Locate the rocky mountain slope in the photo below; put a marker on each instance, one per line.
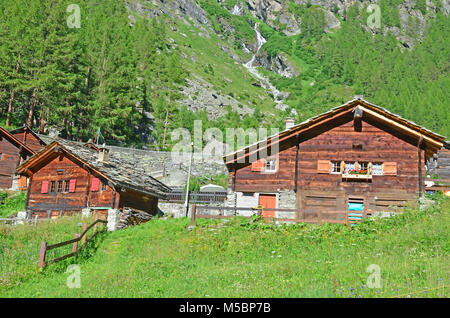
(219, 38)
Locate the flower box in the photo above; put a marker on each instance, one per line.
(357, 176)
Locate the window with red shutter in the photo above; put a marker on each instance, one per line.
(73, 183)
(44, 188)
(95, 184)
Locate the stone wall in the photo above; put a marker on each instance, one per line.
(286, 200)
(171, 168)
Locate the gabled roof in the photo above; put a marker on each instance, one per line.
(15, 141)
(433, 140)
(120, 173)
(29, 130)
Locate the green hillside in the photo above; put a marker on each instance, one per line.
(125, 68)
(240, 258)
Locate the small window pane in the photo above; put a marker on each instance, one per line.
(60, 186)
(271, 165)
(377, 169)
(66, 185)
(336, 166)
(349, 166)
(52, 186)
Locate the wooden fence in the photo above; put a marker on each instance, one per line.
(75, 248)
(338, 217)
(197, 197)
(34, 220)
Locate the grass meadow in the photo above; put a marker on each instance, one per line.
(238, 258)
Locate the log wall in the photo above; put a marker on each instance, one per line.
(64, 169)
(371, 142)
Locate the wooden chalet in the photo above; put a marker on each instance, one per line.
(14, 150)
(355, 157)
(67, 177)
(29, 138)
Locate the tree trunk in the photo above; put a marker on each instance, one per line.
(32, 108)
(10, 107)
(13, 95)
(42, 122)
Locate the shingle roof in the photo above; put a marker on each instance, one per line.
(357, 100)
(121, 173)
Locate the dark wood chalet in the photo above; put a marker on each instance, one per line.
(357, 156)
(29, 138)
(13, 151)
(66, 177)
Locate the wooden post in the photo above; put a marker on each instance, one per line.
(320, 217)
(42, 255)
(96, 218)
(36, 220)
(75, 244)
(193, 212)
(419, 166)
(83, 238)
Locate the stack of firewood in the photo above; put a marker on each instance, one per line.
(131, 217)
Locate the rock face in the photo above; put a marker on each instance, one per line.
(278, 64)
(174, 8)
(200, 95)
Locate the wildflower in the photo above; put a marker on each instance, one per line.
(350, 289)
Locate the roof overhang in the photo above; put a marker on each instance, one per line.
(431, 141)
(16, 141)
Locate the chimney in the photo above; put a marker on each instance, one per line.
(289, 123)
(103, 154)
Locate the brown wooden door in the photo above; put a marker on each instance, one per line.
(268, 201)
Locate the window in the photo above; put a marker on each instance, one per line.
(66, 185)
(60, 186)
(52, 186)
(103, 186)
(336, 167)
(377, 169)
(1, 156)
(349, 166)
(271, 165)
(364, 166)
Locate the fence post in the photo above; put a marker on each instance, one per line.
(193, 212)
(83, 238)
(96, 218)
(75, 244)
(36, 220)
(42, 254)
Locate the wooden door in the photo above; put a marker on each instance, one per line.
(268, 201)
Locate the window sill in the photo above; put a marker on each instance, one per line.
(357, 176)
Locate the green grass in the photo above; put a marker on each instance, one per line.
(11, 203)
(239, 258)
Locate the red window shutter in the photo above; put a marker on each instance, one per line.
(258, 165)
(44, 188)
(95, 184)
(73, 183)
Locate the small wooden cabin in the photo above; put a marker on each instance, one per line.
(66, 177)
(357, 156)
(29, 138)
(13, 151)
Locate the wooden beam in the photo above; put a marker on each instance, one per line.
(419, 165)
(403, 127)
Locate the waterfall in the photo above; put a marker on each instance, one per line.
(236, 10)
(249, 65)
